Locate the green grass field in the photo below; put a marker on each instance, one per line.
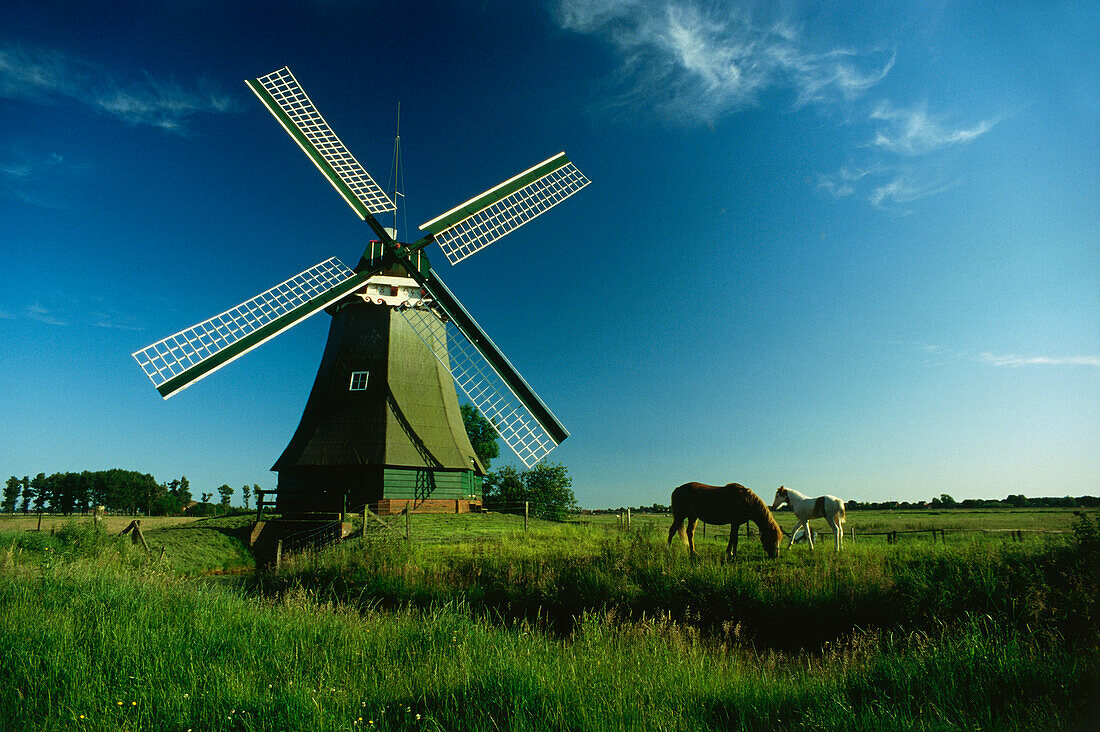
(481, 626)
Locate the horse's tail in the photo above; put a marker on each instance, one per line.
(840, 514)
(679, 515)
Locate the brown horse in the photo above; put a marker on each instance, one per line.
(732, 504)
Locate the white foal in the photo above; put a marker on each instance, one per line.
(805, 508)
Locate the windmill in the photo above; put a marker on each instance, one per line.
(381, 426)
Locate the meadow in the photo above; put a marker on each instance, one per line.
(566, 626)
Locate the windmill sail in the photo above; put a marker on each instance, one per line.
(487, 377)
(180, 360)
(287, 101)
(474, 225)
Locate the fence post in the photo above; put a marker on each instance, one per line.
(526, 511)
(278, 554)
(408, 523)
(628, 518)
(365, 509)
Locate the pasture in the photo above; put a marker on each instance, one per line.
(478, 625)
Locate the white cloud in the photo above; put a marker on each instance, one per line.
(905, 186)
(1013, 360)
(699, 61)
(48, 76)
(44, 315)
(916, 131)
(65, 310)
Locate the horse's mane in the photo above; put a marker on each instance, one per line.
(758, 510)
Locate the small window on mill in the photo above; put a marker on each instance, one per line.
(358, 380)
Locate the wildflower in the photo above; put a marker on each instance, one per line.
(133, 704)
(82, 716)
(186, 696)
(120, 704)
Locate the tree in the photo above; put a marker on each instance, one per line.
(246, 492)
(185, 490)
(11, 493)
(27, 495)
(226, 493)
(483, 437)
(38, 486)
(206, 497)
(546, 487)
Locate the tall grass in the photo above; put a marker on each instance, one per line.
(141, 651)
(801, 601)
(397, 636)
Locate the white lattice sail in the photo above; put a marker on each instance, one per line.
(287, 101)
(479, 222)
(180, 360)
(485, 388)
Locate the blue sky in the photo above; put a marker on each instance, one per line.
(851, 248)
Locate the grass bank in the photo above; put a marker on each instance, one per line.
(82, 648)
(802, 601)
(386, 635)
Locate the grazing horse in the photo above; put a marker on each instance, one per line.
(805, 508)
(732, 504)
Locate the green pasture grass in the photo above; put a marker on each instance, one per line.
(196, 547)
(978, 635)
(806, 598)
(960, 521)
(81, 648)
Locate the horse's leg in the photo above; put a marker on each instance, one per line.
(677, 522)
(839, 532)
(731, 548)
(691, 535)
(809, 534)
(835, 527)
(791, 542)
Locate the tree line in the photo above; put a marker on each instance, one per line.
(125, 491)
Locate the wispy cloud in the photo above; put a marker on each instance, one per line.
(902, 160)
(65, 310)
(49, 76)
(27, 176)
(694, 61)
(697, 61)
(1012, 360)
(44, 315)
(916, 131)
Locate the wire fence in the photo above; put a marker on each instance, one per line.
(500, 520)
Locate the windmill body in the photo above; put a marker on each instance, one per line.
(382, 426)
